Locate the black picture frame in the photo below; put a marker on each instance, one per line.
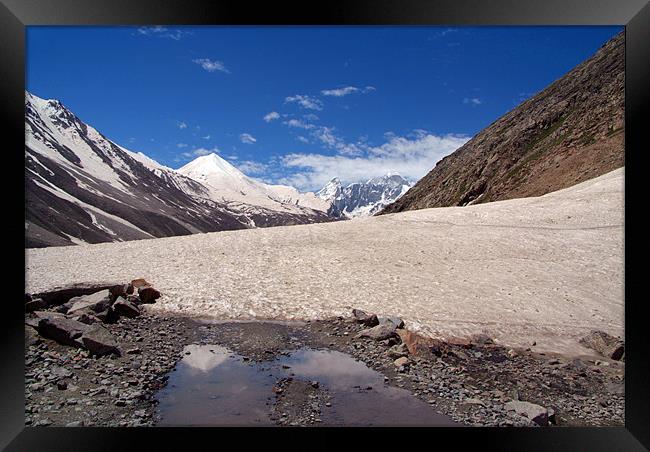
(15, 15)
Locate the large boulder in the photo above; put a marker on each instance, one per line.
(93, 303)
(605, 344)
(126, 308)
(140, 282)
(63, 330)
(398, 322)
(38, 315)
(365, 318)
(36, 304)
(62, 294)
(148, 294)
(380, 332)
(109, 315)
(536, 413)
(88, 319)
(121, 290)
(418, 345)
(99, 341)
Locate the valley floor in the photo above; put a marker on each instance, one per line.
(545, 270)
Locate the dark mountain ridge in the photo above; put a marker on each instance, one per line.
(570, 132)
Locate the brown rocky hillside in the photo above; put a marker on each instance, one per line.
(570, 132)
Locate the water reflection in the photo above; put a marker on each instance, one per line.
(204, 358)
(334, 369)
(212, 386)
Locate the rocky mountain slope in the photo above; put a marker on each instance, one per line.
(83, 188)
(364, 198)
(570, 132)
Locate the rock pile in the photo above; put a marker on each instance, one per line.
(74, 315)
(470, 376)
(605, 344)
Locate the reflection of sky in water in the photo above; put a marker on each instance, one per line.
(203, 357)
(332, 368)
(213, 387)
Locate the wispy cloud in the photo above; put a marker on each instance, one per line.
(250, 167)
(207, 137)
(412, 158)
(211, 65)
(181, 125)
(302, 139)
(163, 32)
(297, 123)
(181, 145)
(308, 102)
(200, 151)
(474, 101)
(340, 92)
(344, 91)
(247, 138)
(271, 116)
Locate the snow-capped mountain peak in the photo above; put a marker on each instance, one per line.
(363, 198)
(331, 190)
(211, 164)
(225, 180)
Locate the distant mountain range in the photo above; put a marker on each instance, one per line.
(83, 188)
(570, 132)
(362, 199)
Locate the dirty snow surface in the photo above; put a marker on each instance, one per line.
(545, 269)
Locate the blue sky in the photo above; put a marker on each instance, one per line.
(300, 105)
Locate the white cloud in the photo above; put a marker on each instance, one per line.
(474, 101)
(182, 125)
(207, 137)
(297, 123)
(271, 116)
(412, 158)
(340, 92)
(249, 167)
(163, 32)
(308, 102)
(327, 136)
(247, 138)
(200, 151)
(302, 139)
(211, 65)
(310, 117)
(181, 145)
